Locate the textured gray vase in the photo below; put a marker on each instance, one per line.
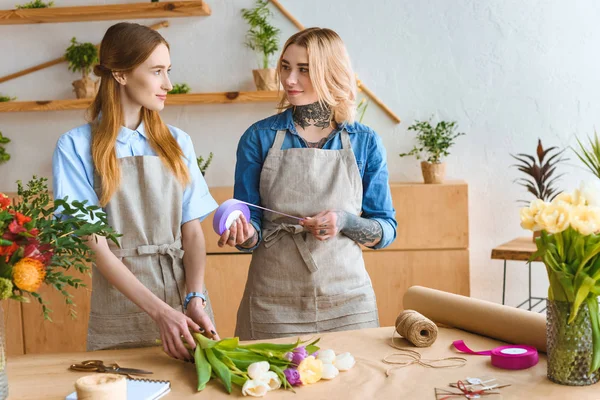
(570, 346)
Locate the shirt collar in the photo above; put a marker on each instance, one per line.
(125, 134)
(285, 121)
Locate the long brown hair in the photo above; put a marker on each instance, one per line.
(124, 47)
(330, 71)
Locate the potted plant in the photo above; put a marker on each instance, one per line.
(203, 165)
(433, 145)
(263, 38)
(179, 88)
(4, 156)
(6, 98)
(82, 57)
(35, 4)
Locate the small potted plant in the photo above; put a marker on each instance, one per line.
(263, 38)
(35, 4)
(433, 145)
(4, 99)
(82, 57)
(203, 165)
(179, 88)
(4, 156)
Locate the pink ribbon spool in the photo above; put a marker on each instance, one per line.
(506, 357)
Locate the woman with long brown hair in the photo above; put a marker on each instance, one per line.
(145, 176)
(314, 161)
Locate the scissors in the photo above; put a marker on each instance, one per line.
(99, 366)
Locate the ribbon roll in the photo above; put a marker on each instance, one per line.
(228, 212)
(506, 357)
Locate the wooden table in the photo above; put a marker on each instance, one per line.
(519, 249)
(47, 377)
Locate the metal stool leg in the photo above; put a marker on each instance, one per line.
(504, 283)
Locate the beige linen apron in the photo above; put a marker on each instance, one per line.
(296, 283)
(147, 210)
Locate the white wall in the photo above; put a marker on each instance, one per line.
(508, 71)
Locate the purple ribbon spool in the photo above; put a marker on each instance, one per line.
(228, 212)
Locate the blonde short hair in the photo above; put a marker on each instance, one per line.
(330, 72)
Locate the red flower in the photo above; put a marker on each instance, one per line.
(37, 251)
(15, 227)
(22, 219)
(8, 250)
(4, 201)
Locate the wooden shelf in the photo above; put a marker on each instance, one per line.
(173, 99)
(164, 9)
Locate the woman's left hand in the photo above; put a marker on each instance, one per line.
(195, 310)
(324, 225)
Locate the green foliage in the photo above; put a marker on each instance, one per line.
(540, 172)
(6, 98)
(4, 156)
(203, 165)
(590, 157)
(433, 143)
(180, 88)
(81, 57)
(361, 108)
(65, 236)
(35, 4)
(262, 37)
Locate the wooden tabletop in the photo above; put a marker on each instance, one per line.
(519, 249)
(46, 376)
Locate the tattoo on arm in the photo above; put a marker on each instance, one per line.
(251, 241)
(365, 231)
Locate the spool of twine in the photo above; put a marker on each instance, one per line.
(101, 387)
(416, 328)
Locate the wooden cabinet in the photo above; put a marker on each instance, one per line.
(431, 249)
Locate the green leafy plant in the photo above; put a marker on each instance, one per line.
(6, 98)
(4, 156)
(35, 4)
(433, 143)
(361, 108)
(540, 181)
(262, 37)
(81, 57)
(203, 165)
(590, 157)
(180, 88)
(37, 246)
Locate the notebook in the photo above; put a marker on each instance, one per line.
(141, 389)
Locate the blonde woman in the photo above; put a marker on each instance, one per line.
(144, 175)
(312, 161)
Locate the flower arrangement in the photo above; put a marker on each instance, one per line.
(37, 247)
(262, 367)
(569, 246)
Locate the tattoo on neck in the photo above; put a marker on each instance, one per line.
(312, 114)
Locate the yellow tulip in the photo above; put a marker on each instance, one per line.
(554, 218)
(529, 214)
(311, 370)
(585, 220)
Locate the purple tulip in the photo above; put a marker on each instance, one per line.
(300, 354)
(293, 376)
(289, 356)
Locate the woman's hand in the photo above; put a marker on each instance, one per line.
(325, 224)
(241, 233)
(195, 310)
(173, 325)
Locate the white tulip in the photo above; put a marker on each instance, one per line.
(329, 371)
(326, 356)
(271, 379)
(255, 388)
(344, 361)
(257, 369)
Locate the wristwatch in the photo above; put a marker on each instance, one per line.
(190, 296)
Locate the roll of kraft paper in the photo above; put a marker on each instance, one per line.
(504, 323)
(101, 387)
(505, 357)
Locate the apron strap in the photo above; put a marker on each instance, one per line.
(345, 140)
(272, 236)
(174, 250)
(278, 140)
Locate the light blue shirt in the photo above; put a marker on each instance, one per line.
(73, 168)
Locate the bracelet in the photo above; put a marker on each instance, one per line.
(190, 296)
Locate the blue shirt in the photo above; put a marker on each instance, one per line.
(368, 150)
(73, 168)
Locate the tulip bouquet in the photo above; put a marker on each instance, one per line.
(36, 248)
(569, 246)
(261, 367)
